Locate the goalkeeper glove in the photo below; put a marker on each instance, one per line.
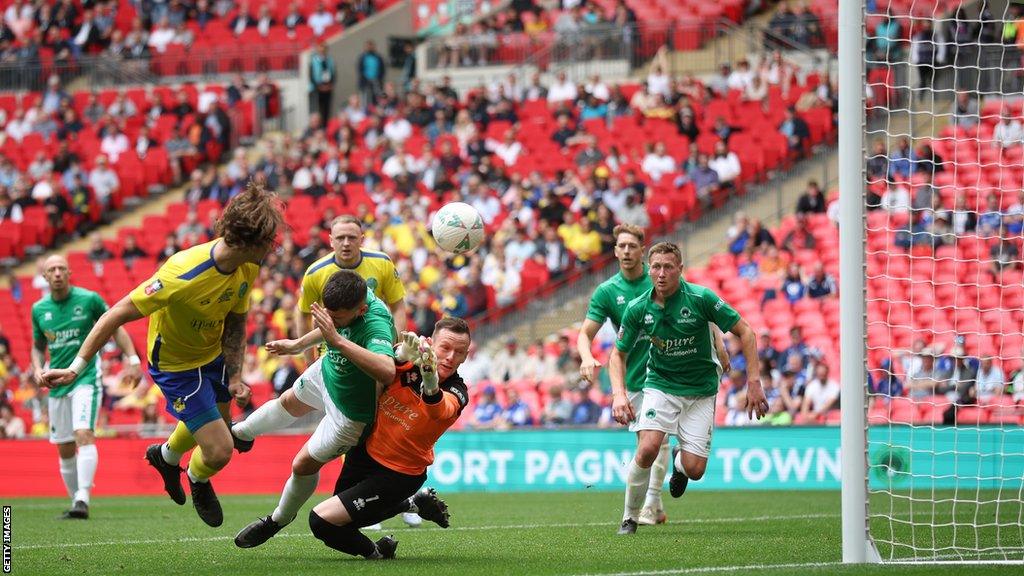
(408, 347)
(428, 368)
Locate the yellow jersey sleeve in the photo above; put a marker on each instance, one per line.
(317, 275)
(392, 289)
(159, 290)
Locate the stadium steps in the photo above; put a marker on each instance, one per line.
(716, 52)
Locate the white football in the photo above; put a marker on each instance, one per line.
(458, 228)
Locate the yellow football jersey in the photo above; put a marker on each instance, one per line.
(375, 267)
(187, 300)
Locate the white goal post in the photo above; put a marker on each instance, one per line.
(931, 229)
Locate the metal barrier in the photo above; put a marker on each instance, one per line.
(171, 66)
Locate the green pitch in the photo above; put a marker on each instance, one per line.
(491, 534)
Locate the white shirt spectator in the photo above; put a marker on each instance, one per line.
(103, 182)
(659, 84)
(508, 152)
(319, 22)
(990, 383)
(740, 79)
(205, 101)
(599, 90)
(821, 393)
(401, 164)
(18, 129)
(113, 145)
(655, 166)
(305, 177)
(398, 129)
(727, 167)
(476, 368)
(896, 199)
(488, 206)
(42, 191)
(1008, 134)
(160, 38)
(562, 91)
(615, 200)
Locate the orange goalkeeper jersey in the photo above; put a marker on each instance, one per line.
(408, 425)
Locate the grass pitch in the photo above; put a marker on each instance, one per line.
(491, 534)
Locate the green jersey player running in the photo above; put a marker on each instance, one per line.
(608, 303)
(683, 373)
(60, 322)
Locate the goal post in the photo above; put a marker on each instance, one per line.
(931, 229)
(853, 444)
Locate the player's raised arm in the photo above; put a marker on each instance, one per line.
(133, 372)
(122, 313)
(289, 347)
(380, 367)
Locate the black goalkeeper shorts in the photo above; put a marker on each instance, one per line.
(370, 491)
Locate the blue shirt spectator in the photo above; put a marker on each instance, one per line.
(793, 285)
(487, 410)
(517, 412)
(584, 410)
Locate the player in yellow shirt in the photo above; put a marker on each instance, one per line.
(197, 303)
(375, 267)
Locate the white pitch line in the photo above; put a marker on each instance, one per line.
(188, 540)
(713, 569)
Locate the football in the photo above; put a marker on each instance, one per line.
(457, 227)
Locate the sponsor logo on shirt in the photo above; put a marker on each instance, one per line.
(648, 319)
(154, 287)
(226, 295)
(48, 316)
(718, 306)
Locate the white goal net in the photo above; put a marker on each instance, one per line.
(944, 285)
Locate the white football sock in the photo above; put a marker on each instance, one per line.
(69, 472)
(193, 478)
(658, 470)
(636, 486)
(297, 490)
(88, 459)
(267, 418)
(170, 456)
(677, 463)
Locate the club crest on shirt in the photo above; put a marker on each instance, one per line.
(620, 300)
(242, 289)
(154, 287)
(47, 316)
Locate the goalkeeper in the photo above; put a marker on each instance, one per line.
(383, 476)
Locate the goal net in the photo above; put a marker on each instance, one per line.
(944, 289)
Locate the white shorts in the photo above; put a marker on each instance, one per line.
(636, 400)
(690, 418)
(336, 433)
(76, 411)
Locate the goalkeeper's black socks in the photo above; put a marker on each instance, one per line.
(347, 539)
